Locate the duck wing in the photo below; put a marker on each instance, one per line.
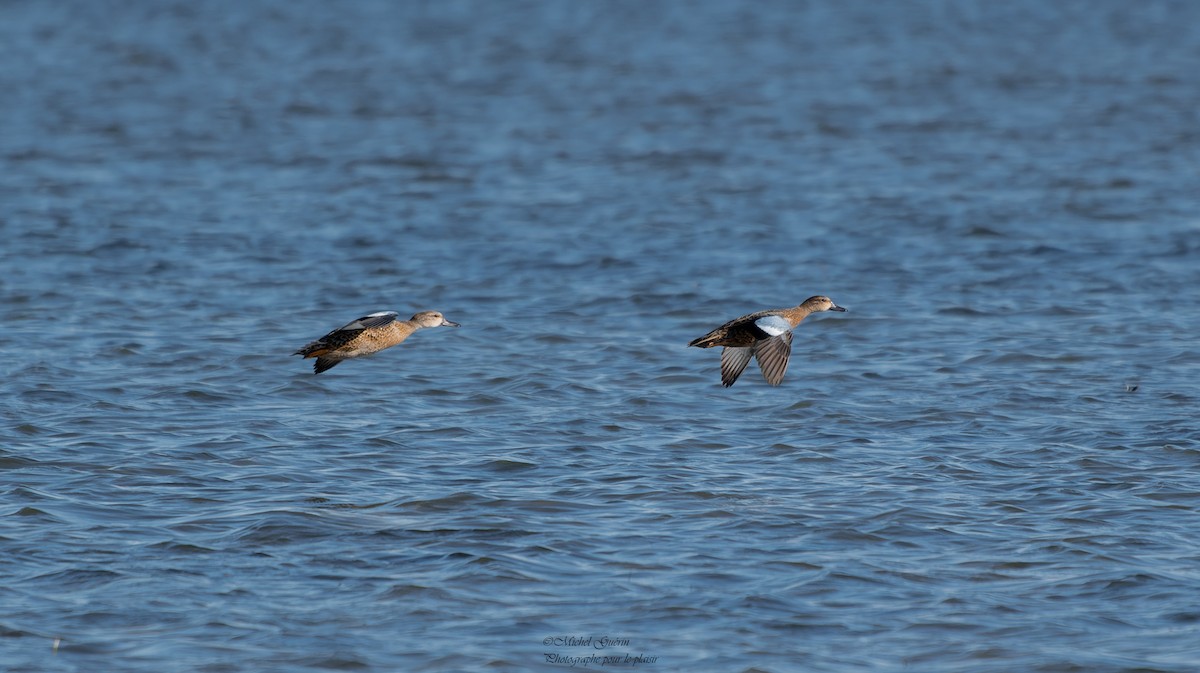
(347, 333)
(733, 362)
(368, 321)
(772, 355)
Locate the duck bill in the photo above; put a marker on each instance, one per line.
(837, 308)
(447, 323)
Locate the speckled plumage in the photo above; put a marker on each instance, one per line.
(367, 335)
(764, 335)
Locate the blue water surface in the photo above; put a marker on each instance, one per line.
(990, 463)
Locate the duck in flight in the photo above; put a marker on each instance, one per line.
(765, 335)
(367, 335)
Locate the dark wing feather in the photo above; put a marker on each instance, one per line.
(733, 362)
(772, 355)
(368, 321)
(322, 364)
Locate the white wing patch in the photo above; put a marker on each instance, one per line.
(374, 320)
(773, 325)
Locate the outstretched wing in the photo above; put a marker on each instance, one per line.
(733, 362)
(772, 355)
(368, 321)
(346, 333)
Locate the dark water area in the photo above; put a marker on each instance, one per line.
(990, 463)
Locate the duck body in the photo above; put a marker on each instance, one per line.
(765, 336)
(366, 336)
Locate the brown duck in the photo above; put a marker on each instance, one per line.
(765, 335)
(369, 334)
